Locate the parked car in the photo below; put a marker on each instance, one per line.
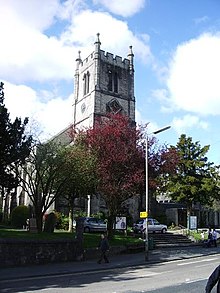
(94, 225)
(153, 226)
(138, 226)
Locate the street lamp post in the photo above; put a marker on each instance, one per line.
(147, 190)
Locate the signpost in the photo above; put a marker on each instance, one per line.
(143, 215)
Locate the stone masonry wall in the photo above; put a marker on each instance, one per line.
(25, 252)
(15, 252)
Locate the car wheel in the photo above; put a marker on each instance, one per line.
(163, 230)
(86, 229)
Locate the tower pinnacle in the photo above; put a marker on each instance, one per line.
(97, 43)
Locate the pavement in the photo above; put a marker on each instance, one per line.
(116, 261)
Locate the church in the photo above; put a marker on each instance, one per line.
(103, 83)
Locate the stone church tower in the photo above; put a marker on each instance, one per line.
(103, 84)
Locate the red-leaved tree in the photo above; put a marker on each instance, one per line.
(120, 161)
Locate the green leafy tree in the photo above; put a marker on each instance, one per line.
(196, 179)
(44, 181)
(80, 171)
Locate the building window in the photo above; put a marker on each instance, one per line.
(115, 82)
(86, 78)
(113, 106)
(112, 81)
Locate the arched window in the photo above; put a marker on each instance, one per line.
(86, 78)
(87, 83)
(115, 82)
(84, 84)
(110, 80)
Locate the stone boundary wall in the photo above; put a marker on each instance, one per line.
(14, 252)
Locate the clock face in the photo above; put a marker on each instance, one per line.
(83, 107)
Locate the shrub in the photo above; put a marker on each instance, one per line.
(50, 222)
(62, 221)
(19, 216)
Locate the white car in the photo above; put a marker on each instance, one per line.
(153, 226)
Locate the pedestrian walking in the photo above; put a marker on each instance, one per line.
(210, 238)
(104, 247)
(213, 279)
(214, 237)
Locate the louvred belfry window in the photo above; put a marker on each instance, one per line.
(112, 81)
(86, 78)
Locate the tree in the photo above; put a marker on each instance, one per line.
(119, 147)
(196, 179)
(80, 171)
(14, 146)
(120, 161)
(44, 181)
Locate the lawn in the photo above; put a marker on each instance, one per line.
(90, 239)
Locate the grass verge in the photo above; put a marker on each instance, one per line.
(90, 239)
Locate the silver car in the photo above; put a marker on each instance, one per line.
(153, 226)
(94, 225)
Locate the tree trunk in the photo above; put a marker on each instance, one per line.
(70, 220)
(111, 222)
(5, 197)
(79, 238)
(70, 229)
(39, 220)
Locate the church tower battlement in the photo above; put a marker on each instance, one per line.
(107, 57)
(103, 83)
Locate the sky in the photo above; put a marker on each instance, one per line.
(176, 47)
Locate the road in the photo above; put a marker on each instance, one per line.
(189, 275)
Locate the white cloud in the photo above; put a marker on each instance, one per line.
(52, 116)
(38, 14)
(122, 7)
(162, 95)
(56, 115)
(181, 125)
(115, 35)
(193, 80)
(201, 19)
(27, 54)
(41, 40)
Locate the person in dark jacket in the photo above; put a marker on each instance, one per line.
(210, 238)
(214, 278)
(104, 247)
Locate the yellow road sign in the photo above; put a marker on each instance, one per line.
(143, 214)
